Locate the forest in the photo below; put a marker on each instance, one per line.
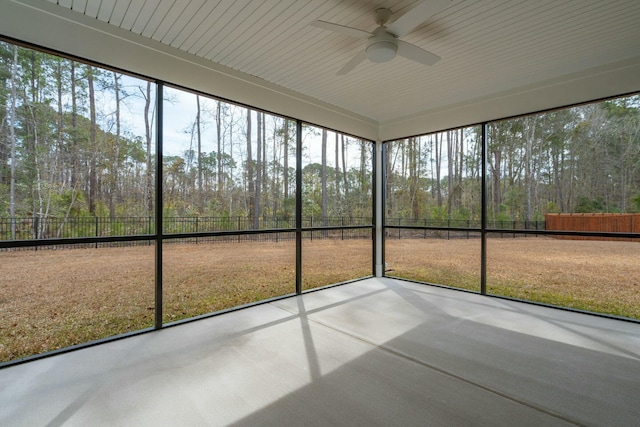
(583, 159)
(78, 144)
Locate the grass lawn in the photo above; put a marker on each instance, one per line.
(599, 276)
(51, 299)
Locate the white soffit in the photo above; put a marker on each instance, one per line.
(488, 47)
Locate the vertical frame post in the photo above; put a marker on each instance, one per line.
(298, 207)
(158, 205)
(378, 208)
(483, 218)
(383, 206)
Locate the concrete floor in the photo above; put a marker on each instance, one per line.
(376, 352)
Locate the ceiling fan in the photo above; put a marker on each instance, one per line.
(383, 44)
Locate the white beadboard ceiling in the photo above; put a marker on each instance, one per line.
(487, 46)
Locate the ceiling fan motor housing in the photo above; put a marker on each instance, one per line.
(382, 47)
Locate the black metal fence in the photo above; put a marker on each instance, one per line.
(38, 228)
(453, 223)
(243, 223)
(280, 236)
(455, 229)
(30, 228)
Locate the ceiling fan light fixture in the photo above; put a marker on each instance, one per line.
(381, 51)
(383, 44)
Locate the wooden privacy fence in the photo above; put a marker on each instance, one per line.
(597, 222)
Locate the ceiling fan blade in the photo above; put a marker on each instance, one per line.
(415, 53)
(353, 63)
(417, 16)
(342, 29)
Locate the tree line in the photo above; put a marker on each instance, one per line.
(573, 160)
(79, 141)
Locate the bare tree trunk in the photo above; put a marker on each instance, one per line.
(388, 176)
(264, 182)
(5, 144)
(12, 137)
(231, 168)
(438, 159)
(93, 181)
(413, 158)
(363, 166)
(286, 159)
(147, 128)
(558, 179)
(219, 152)
(113, 178)
(528, 178)
(60, 124)
(72, 173)
(403, 158)
(323, 177)
(450, 168)
(275, 185)
(461, 159)
(337, 177)
(32, 144)
(75, 164)
(344, 169)
(38, 178)
(199, 142)
(258, 193)
(495, 174)
(250, 183)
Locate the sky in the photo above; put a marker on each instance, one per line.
(180, 111)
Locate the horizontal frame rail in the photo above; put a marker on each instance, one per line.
(610, 234)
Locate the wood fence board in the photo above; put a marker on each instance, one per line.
(596, 222)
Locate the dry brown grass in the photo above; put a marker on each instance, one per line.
(53, 299)
(601, 276)
(56, 298)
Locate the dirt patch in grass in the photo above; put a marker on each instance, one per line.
(51, 299)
